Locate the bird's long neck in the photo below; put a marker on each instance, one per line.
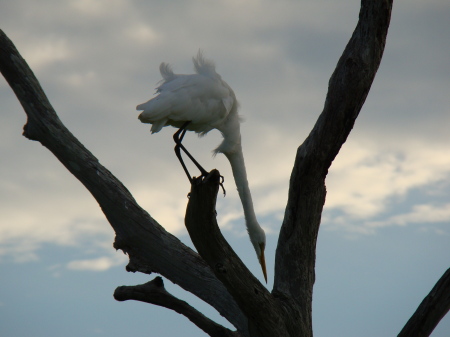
(236, 159)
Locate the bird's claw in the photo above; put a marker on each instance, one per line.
(203, 176)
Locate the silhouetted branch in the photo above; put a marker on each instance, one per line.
(347, 91)
(263, 312)
(150, 247)
(430, 312)
(154, 292)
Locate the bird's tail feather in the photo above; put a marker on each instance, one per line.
(166, 71)
(204, 66)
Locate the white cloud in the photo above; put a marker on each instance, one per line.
(80, 78)
(98, 264)
(165, 205)
(142, 33)
(46, 51)
(99, 8)
(366, 176)
(423, 213)
(21, 250)
(46, 205)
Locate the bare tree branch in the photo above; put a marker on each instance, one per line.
(262, 310)
(347, 91)
(430, 312)
(149, 246)
(153, 292)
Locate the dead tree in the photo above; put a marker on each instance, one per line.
(216, 274)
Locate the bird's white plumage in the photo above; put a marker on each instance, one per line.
(203, 98)
(207, 102)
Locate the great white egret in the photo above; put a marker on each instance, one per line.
(201, 102)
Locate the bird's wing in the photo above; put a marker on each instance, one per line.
(203, 101)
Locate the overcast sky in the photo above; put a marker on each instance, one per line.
(385, 234)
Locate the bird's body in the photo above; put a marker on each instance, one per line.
(201, 102)
(203, 99)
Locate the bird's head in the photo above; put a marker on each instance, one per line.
(258, 239)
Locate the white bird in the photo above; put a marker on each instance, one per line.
(201, 102)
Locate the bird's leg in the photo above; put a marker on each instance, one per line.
(178, 138)
(222, 179)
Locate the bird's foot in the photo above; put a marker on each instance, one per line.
(203, 176)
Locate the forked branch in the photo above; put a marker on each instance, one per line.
(154, 292)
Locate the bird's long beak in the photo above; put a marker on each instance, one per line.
(262, 261)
